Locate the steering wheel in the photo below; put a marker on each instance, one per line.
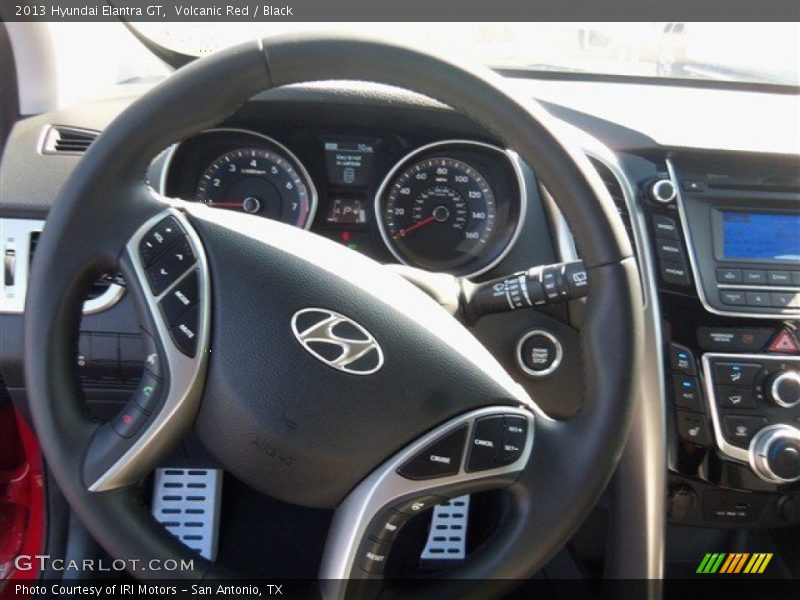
(249, 364)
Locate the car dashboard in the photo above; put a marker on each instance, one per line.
(714, 223)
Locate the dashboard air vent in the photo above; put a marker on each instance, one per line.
(67, 140)
(615, 190)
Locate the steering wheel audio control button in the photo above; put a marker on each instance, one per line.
(148, 395)
(182, 297)
(170, 265)
(130, 420)
(439, 459)
(184, 331)
(485, 443)
(152, 356)
(158, 239)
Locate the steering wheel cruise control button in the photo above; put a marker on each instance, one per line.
(183, 296)
(485, 443)
(130, 420)
(170, 265)
(439, 459)
(158, 239)
(515, 432)
(184, 331)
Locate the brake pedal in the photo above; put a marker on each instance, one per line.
(447, 539)
(187, 502)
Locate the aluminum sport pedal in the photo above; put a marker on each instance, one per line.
(447, 539)
(187, 502)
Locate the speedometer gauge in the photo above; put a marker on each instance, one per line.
(438, 211)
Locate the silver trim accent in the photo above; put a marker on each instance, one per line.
(556, 362)
(186, 375)
(16, 234)
(728, 449)
(773, 390)
(322, 331)
(658, 187)
(313, 197)
(642, 466)
(516, 165)
(385, 487)
(765, 288)
(779, 314)
(759, 446)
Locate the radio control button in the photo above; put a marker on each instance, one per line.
(729, 275)
(754, 277)
(669, 250)
(675, 273)
(779, 277)
(665, 227)
(738, 374)
(758, 299)
(786, 299)
(733, 298)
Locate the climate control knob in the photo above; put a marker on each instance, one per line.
(784, 389)
(775, 454)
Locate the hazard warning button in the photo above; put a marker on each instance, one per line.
(784, 343)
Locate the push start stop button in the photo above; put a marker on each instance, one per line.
(539, 353)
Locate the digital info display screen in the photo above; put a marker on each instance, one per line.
(761, 236)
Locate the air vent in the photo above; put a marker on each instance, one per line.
(67, 140)
(615, 190)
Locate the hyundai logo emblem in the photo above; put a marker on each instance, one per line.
(337, 341)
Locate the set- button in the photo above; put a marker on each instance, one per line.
(496, 441)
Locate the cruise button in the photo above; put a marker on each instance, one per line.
(439, 459)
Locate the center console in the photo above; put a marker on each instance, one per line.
(726, 236)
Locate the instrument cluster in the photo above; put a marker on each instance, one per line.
(452, 206)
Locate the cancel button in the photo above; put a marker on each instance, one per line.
(539, 353)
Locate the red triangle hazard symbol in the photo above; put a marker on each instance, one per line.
(784, 342)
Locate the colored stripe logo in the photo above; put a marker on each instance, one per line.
(734, 563)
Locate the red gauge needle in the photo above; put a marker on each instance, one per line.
(227, 204)
(417, 225)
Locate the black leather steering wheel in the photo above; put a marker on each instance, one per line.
(273, 414)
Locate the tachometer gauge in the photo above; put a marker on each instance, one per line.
(439, 212)
(259, 181)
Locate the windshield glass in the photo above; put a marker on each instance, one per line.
(745, 52)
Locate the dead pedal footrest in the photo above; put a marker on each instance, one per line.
(187, 502)
(447, 540)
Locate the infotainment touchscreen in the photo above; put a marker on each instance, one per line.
(761, 236)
